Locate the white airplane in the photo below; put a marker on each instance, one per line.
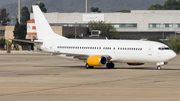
(99, 52)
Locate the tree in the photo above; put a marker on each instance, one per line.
(156, 39)
(171, 5)
(4, 17)
(20, 32)
(156, 7)
(178, 3)
(95, 9)
(107, 29)
(124, 11)
(41, 6)
(168, 5)
(2, 42)
(25, 15)
(8, 45)
(174, 44)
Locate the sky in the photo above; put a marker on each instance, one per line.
(3, 2)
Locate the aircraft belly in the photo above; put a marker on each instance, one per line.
(131, 57)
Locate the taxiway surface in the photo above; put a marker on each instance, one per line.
(51, 78)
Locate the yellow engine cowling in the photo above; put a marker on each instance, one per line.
(97, 60)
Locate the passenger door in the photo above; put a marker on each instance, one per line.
(150, 48)
(159, 53)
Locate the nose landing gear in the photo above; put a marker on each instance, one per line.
(159, 68)
(160, 64)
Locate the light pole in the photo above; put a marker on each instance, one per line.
(75, 29)
(86, 5)
(19, 11)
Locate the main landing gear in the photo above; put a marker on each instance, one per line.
(89, 67)
(159, 68)
(110, 65)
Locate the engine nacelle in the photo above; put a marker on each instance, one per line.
(97, 60)
(135, 64)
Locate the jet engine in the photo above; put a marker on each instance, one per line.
(135, 64)
(97, 60)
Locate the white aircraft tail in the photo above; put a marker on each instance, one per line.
(44, 30)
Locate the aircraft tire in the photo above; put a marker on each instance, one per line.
(110, 65)
(159, 68)
(89, 67)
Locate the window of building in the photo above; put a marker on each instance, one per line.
(116, 25)
(2, 32)
(158, 25)
(178, 25)
(127, 25)
(134, 25)
(167, 25)
(154, 25)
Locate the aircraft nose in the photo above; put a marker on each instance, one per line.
(173, 55)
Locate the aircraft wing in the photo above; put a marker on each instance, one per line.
(74, 55)
(83, 56)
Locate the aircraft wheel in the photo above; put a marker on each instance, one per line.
(89, 67)
(110, 65)
(158, 67)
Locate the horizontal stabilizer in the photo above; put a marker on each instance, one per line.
(26, 41)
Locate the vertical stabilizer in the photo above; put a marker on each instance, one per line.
(44, 30)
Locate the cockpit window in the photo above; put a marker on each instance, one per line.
(164, 48)
(167, 48)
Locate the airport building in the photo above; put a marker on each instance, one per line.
(137, 24)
